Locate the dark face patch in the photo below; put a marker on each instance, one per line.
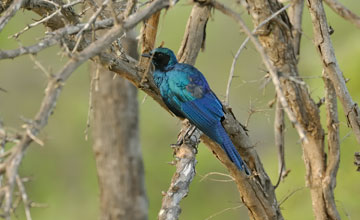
(160, 60)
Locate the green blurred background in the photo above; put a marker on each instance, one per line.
(63, 171)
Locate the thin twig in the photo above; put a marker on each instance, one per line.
(230, 178)
(41, 21)
(242, 46)
(24, 197)
(54, 88)
(326, 51)
(252, 110)
(94, 87)
(89, 23)
(272, 70)
(40, 66)
(295, 15)
(16, 35)
(10, 12)
(344, 12)
(52, 38)
(279, 128)
(290, 194)
(148, 38)
(189, 136)
(256, 193)
(333, 137)
(224, 210)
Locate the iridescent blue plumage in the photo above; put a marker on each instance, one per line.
(187, 94)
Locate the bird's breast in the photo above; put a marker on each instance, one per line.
(161, 81)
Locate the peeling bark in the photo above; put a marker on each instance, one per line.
(276, 38)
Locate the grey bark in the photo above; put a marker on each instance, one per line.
(117, 147)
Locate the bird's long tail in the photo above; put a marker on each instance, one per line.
(230, 149)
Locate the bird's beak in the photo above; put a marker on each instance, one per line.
(148, 55)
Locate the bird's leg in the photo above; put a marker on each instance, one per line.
(182, 137)
(189, 131)
(189, 134)
(177, 144)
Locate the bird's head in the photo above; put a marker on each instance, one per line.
(162, 58)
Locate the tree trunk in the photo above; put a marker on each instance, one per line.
(117, 147)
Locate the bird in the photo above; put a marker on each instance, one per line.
(187, 94)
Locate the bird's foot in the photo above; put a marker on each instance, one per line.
(178, 143)
(175, 145)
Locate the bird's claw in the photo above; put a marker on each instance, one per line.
(174, 146)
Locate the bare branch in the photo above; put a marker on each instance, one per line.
(230, 178)
(52, 93)
(344, 12)
(272, 70)
(89, 23)
(37, 23)
(295, 15)
(232, 69)
(277, 34)
(224, 210)
(148, 38)
(325, 48)
(24, 197)
(53, 38)
(40, 66)
(66, 15)
(242, 46)
(290, 194)
(10, 12)
(195, 33)
(257, 193)
(279, 129)
(329, 181)
(185, 171)
(189, 135)
(54, 88)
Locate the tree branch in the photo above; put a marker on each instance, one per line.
(54, 37)
(295, 15)
(195, 33)
(24, 197)
(277, 34)
(272, 70)
(329, 181)
(10, 12)
(344, 12)
(185, 171)
(53, 90)
(326, 51)
(242, 46)
(279, 130)
(148, 38)
(189, 135)
(257, 191)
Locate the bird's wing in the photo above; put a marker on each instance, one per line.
(203, 112)
(193, 96)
